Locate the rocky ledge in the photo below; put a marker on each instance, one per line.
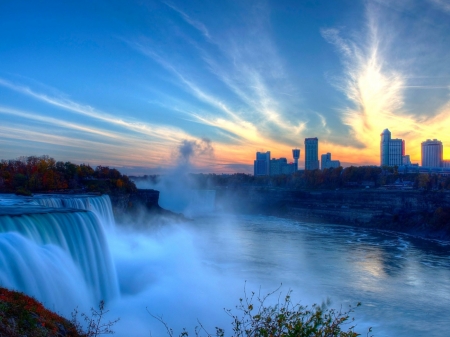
(421, 213)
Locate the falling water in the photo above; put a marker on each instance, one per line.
(66, 257)
(57, 252)
(100, 205)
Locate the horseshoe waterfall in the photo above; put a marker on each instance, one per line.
(55, 249)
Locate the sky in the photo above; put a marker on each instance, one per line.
(144, 86)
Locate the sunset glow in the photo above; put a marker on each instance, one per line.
(125, 83)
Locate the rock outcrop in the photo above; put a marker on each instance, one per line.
(424, 213)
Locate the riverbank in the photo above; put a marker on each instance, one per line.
(420, 213)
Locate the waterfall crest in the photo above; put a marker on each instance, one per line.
(100, 205)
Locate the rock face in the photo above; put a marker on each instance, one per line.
(424, 213)
(141, 209)
(146, 198)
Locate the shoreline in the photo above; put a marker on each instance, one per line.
(423, 214)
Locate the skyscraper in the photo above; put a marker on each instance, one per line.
(432, 153)
(296, 155)
(391, 150)
(311, 153)
(261, 166)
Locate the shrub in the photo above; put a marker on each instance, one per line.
(94, 323)
(285, 319)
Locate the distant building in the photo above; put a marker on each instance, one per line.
(432, 153)
(326, 162)
(281, 166)
(276, 166)
(262, 164)
(391, 150)
(311, 153)
(446, 163)
(296, 155)
(406, 160)
(289, 168)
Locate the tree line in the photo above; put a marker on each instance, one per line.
(25, 175)
(331, 178)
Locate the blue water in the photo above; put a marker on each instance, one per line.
(402, 282)
(189, 272)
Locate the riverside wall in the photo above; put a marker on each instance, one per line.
(422, 213)
(123, 203)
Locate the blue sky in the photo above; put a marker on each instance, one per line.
(133, 84)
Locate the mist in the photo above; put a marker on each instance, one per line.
(178, 192)
(187, 273)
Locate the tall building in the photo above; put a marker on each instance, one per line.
(296, 155)
(311, 153)
(326, 162)
(391, 150)
(432, 153)
(276, 166)
(261, 166)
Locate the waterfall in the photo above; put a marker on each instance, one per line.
(44, 272)
(100, 205)
(55, 248)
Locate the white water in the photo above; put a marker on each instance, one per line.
(100, 206)
(59, 255)
(192, 271)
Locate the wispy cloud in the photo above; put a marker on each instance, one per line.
(196, 24)
(376, 88)
(137, 144)
(161, 132)
(54, 122)
(246, 61)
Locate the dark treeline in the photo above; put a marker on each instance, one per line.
(332, 178)
(43, 174)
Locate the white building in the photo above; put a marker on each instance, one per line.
(392, 151)
(432, 153)
(326, 162)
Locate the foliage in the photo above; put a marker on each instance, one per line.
(40, 174)
(22, 315)
(94, 325)
(255, 318)
(331, 178)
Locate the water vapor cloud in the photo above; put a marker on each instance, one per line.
(191, 148)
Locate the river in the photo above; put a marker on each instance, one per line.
(402, 282)
(189, 272)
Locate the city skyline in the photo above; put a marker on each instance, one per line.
(144, 87)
